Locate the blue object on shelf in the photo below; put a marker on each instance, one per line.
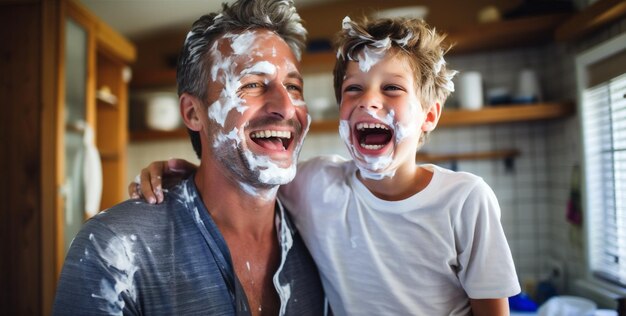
(545, 290)
(522, 303)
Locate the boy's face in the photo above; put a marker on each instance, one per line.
(257, 118)
(382, 117)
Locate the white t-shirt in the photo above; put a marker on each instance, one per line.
(424, 255)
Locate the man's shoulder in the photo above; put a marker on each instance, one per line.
(133, 211)
(136, 215)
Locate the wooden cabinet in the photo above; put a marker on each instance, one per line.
(56, 59)
(92, 87)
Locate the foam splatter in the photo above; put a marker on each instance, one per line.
(118, 258)
(286, 242)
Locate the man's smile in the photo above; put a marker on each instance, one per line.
(276, 140)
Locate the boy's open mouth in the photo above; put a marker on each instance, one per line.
(373, 136)
(272, 139)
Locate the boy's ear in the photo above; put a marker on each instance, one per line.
(189, 110)
(432, 117)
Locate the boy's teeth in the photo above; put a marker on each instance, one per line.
(372, 147)
(362, 126)
(268, 134)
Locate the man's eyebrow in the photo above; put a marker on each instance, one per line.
(295, 75)
(256, 73)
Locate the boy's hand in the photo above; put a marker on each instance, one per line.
(150, 182)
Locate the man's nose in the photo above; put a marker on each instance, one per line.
(280, 103)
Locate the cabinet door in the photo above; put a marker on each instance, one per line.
(75, 119)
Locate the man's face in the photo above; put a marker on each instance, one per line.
(257, 117)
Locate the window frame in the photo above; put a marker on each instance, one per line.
(598, 53)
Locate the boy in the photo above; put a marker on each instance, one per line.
(391, 237)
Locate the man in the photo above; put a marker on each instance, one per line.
(222, 244)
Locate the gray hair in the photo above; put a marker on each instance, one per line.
(194, 62)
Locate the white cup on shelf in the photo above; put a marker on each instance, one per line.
(162, 112)
(528, 89)
(471, 90)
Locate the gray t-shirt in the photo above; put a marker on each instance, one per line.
(171, 259)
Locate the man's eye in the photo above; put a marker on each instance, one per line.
(293, 87)
(251, 89)
(253, 85)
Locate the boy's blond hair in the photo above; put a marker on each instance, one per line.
(413, 38)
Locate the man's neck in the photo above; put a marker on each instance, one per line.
(248, 226)
(234, 210)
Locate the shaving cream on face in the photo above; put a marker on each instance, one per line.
(269, 172)
(380, 167)
(241, 43)
(370, 167)
(257, 175)
(410, 128)
(263, 67)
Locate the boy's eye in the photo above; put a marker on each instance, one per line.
(393, 88)
(352, 88)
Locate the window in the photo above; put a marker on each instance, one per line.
(603, 118)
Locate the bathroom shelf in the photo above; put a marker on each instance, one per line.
(506, 114)
(487, 115)
(598, 14)
(533, 30)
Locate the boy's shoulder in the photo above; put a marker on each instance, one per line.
(321, 170)
(446, 179)
(330, 163)
(454, 174)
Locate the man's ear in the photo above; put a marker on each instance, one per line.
(432, 117)
(190, 108)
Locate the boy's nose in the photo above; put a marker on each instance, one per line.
(371, 100)
(279, 103)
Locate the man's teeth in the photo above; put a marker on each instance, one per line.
(268, 134)
(362, 126)
(372, 147)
